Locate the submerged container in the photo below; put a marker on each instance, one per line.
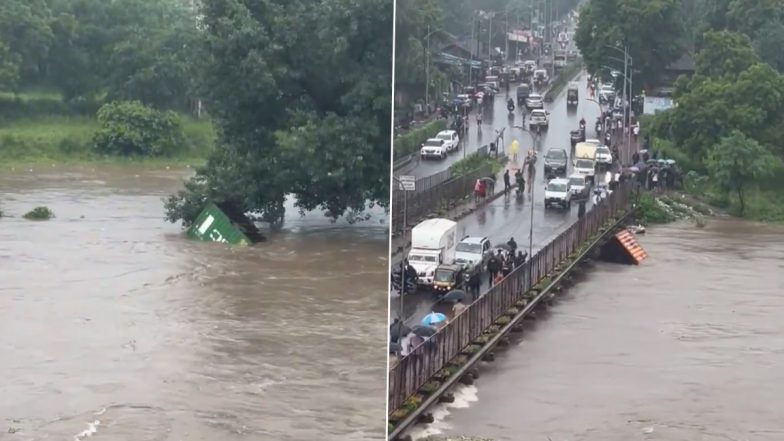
(212, 225)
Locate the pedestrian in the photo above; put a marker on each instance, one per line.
(493, 265)
(512, 246)
(499, 278)
(635, 158)
(458, 308)
(474, 284)
(507, 182)
(580, 208)
(521, 257)
(515, 149)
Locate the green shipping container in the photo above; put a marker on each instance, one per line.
(212, 225)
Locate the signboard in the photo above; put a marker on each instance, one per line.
(212, 225)
(407, 183)
(653, 104)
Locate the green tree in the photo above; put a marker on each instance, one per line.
(25, 30)
(129, 128)
(9, 68)
(738, 162)
(724, 53)
(300, 91)
(769, 42)
(652, 29)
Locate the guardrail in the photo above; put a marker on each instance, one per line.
(439, 191)
(421, 364)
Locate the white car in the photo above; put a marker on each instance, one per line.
(558, 193)
(603, 155)
(580, 186)
(534, 101)
(451, 140)
(473, 251)
(606, 93)
(585, 167)
(540, 118)
(433, 148)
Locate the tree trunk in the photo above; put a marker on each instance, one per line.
(739, 190)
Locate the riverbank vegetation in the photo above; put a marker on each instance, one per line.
(411, 141)
(727, 127)
(298, 92)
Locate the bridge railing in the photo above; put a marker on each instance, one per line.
(416, 368)
(440, 190)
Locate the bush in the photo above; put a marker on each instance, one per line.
(39, 213)
(650, 211)
(475, 162)
(412, 141)
(129, 128)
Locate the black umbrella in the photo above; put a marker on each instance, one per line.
(398, 330)
(454, 296)
(424, 331)
(490, 180)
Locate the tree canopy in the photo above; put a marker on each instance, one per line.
(653, 30)
(301, 93)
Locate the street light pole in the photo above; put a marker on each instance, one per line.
(471, 50)
(402, 261)
(427, 74)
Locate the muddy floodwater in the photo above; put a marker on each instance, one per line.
(113, 324)
(687, 346)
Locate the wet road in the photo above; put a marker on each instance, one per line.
(689, 345)
(111, 320)
(496, 117)
(508, 217)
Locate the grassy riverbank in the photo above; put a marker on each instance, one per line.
(70, 139)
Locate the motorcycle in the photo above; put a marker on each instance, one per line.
(510, 107)
(411, 283)
(598, 128)
(520, 190)
(577, 136)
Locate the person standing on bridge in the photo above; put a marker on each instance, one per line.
(458, 308)
(512, 246)
(493, 267)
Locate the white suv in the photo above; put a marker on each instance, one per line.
(451, 140)
(539, 118)
(433, 148)
(558, 192)
(472, 252)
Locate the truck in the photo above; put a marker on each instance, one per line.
(433, 242)
(585, 160)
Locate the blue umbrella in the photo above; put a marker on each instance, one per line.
(433, 318)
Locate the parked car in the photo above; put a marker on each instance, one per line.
(558, 193)
(555, 161)
(433, 148)
(580, 186)
(451, 139)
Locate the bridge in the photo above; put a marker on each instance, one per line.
(424, 376)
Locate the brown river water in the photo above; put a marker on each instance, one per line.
(687, 346)
(114, 325)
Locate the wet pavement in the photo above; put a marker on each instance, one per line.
(508, 216)
(688, 345)
(112, 321)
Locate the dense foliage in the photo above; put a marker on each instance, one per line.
(652, 30)
(729, 120)
(129, 128)
(89, 49)
(301, 93)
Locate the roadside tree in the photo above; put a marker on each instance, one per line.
(737, 163)
(652, 29)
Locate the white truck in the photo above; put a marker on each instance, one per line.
(433, 242)
(585, 160)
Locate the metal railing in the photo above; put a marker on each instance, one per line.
(442, 190)
(419, 366)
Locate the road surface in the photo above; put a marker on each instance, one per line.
(507, 217)
(495, 118)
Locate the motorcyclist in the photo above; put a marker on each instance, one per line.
(510, 104)
(520, 181)
(582, 123)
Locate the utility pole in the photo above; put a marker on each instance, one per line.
(471, 50)
(427, 73)
(489, 36)
(506, 35)
(623, 99)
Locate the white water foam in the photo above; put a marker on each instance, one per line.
(92, 429)
(464, 396)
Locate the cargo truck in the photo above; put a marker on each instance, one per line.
(433, 242)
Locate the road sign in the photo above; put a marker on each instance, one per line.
(408, 183)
